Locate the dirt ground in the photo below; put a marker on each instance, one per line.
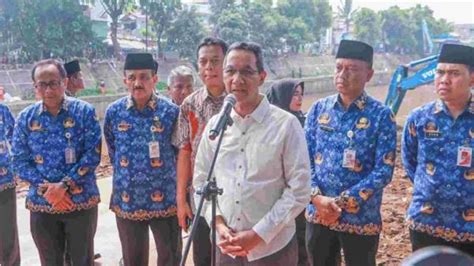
(394, 243)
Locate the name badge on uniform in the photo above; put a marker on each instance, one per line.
(70, 155)
(3, 147)
(154, 149)
(464, 156)
(349, 158)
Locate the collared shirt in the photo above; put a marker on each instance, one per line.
(368, 128)
(263, 169)
(195, 112)
(40, 144)
(144, 184)
(6, 132)
(443, 194)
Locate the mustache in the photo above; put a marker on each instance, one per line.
(138, 87)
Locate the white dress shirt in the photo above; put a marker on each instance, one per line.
(263, 168)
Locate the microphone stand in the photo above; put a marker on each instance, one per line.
(208, 192)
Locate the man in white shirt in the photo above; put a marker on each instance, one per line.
(262, 167)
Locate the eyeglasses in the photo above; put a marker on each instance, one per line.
(53, 84)
(246, 73)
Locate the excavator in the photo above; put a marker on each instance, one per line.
(403, 80)
(414, 74)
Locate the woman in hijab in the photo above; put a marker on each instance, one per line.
(288, 95)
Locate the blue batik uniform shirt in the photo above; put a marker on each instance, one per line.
(6, 132)
(39, 144)
(143, 187)
(373, 138)
(443, 193)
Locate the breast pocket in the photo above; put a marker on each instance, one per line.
(435, 147)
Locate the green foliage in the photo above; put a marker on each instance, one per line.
(115, 8)
(161, 86)
(184, 34)
(345, 11)
(402, 28)
(51, 28)
(293, 24)
(367, 26)
(163, 13)
(93, 91)
(232, 25)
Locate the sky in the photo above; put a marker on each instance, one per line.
(456, 11)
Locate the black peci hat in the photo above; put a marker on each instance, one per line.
(355, 50)
(457, 54)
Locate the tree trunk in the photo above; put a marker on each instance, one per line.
(113, 36)
(159, 35)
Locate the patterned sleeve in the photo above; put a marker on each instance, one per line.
(182, 133)
(382, 171)
(22, 159)
(109, 134)
(310, 134)
(410, 147)
(9, 124)
(90, 158)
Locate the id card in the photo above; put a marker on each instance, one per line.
(70, 155)
(464, 156)
(349, 158)
(154, 149)
(3, 147)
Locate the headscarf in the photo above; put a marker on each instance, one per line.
(281, 92)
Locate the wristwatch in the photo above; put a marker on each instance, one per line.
(65, 185)
(315, 191)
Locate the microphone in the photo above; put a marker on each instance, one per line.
(224, 118)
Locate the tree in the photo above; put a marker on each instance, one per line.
(163, 13)
(232, 25)
(185, 33)
(346, 12)
(217, 7)
(417, 15)
(115, 8)
(367, 26)
(52, 28)
(8, 11)
(323, 18)
(398, 31)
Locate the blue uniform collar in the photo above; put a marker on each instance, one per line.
(441, 107)
(150, 104)
(64, 106)
(360, 102)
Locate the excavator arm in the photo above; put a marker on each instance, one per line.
(402, 81)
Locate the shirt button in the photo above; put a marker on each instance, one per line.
(238, 184)
(242, 150)
(243, 133)
(236, 202)
(238, 219)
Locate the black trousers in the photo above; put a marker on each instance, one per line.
(9, 244)
(202, 243)
(324, 246)
(301, 239)
(51, 231)
(134, 238)
(420, 240)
